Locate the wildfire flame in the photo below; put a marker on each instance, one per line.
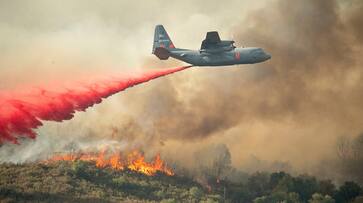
(134, 161)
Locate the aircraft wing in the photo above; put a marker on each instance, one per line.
(213, 43)
(211, 40)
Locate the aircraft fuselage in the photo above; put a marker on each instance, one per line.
(236, 56)
(213, 51)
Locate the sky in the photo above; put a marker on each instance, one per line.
(291, 109)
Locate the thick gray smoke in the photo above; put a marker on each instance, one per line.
(291, 109)
(299, 102)
(314, 74)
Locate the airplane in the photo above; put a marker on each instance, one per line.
(213, 51)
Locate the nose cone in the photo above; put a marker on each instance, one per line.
(266, 57)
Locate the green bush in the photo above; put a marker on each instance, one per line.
(196, 193)
(279, 197)
(78, 168)
(168, 201)
(319, 198)
(348, 192)
(120, 181)
(210, 200)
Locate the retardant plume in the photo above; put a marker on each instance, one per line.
(22, 113)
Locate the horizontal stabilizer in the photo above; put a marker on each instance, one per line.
(162, 53)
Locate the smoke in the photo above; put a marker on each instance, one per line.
(21, 114)
(289, 110)
(313, 72)
(350, 159)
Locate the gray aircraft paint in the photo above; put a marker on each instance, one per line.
(213, 52)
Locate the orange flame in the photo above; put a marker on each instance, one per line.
(134, 161)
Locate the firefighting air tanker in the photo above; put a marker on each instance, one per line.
(213, 52)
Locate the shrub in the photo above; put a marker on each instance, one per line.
(120, 181)
(348, 192)
(319, 198)
(279, 197)
(79, 169)
(195, 192)
(168, 201)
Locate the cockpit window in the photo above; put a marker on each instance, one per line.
(257, 51)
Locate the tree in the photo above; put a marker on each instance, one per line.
(275, 178)
(258, 184)
(286, 184)
(214, 161)
(279, 197)
(305, 186)
(222, 162)
(350, 154)
(348, 192)
(196, 193)
(326, 187)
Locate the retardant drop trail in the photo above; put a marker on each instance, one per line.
(20, 114)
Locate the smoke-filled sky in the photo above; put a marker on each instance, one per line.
(292, 108)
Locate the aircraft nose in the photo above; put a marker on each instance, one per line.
(268, 56)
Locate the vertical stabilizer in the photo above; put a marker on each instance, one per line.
(162, 43)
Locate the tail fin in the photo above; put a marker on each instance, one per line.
(162, 43)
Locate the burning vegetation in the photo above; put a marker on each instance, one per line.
(134, 161)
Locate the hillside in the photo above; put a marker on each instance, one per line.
(82, 181)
